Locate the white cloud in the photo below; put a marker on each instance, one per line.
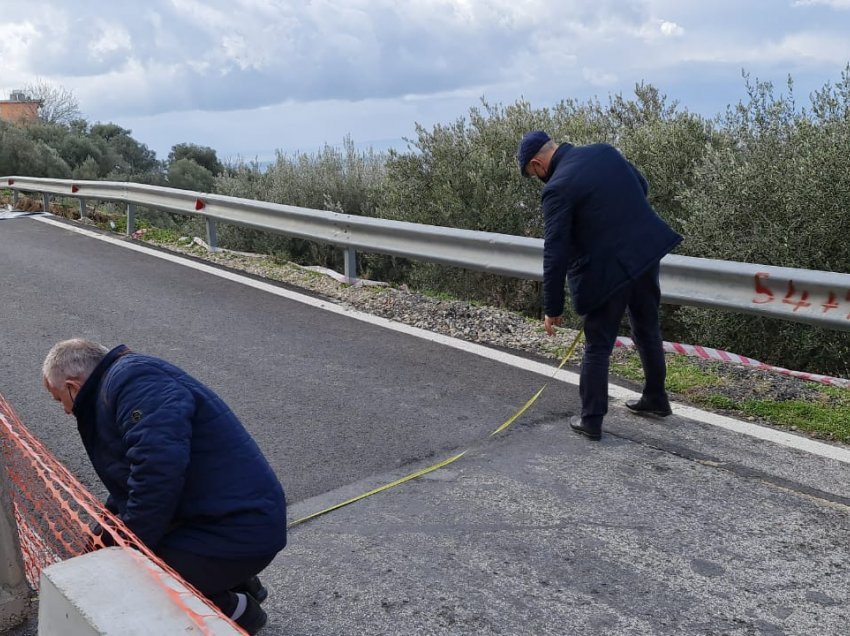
(792, 50)
(835, 4)
(14, 43)
(110, 38)
(818, 47)
(598, 77)
(225, 54)
(671, 29)
(127, 60)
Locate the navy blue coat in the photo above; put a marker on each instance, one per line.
(600, 231)
(180, 468)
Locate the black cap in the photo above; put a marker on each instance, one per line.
(530, 145)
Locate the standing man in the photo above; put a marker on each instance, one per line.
(602, 234)
(182, 472)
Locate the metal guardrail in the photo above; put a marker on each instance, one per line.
(800, 295)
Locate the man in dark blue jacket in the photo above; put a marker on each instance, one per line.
(182, 472)
(604, 237)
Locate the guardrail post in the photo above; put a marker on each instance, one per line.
(14, 591)
(45, 197)
(211, 236)
(350, 258)
(14, 199)
(131, 218)
(82, 208)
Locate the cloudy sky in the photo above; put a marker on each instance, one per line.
(248, 77)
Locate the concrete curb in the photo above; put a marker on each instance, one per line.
(116, 591)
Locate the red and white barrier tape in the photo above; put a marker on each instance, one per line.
(724, 356)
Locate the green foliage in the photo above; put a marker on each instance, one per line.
(46, 133)
(202, 155)
(626, 366)
(160, 235)
(119, 223)
(186, 174)
(88, 170)
(60, 150)
(822, 410)
(339, 180)
(775, 190)
(152, 229)
(777, 342)
(832, 419)
(133, 156)
(25, 156)
(683, 376)
(76, 150)
(465, 174)
(666, 145)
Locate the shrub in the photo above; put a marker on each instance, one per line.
(775, 191)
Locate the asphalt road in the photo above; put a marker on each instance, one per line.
(672, 527)
(330, 400)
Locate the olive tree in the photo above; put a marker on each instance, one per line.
(776, 191)
(465, 174)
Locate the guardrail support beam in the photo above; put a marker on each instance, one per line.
(45, 198)
(211, 234)
(350, 257)
(131, 218)
(14, 199)
(82, 208)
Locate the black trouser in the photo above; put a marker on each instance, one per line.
(214, 577)
(641, 299)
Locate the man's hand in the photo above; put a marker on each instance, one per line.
(550, 322)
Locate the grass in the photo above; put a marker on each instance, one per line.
(826, 413)
(159, 235)
(682, 375)
(441, 295)
(827, 417)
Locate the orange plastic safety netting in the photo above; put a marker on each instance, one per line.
(58, 518)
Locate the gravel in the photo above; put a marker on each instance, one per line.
(460, 319)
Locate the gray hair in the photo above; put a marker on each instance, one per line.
(549, 145)
(75, 358)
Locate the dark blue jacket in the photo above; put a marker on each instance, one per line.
(180, 469)
(600, 231)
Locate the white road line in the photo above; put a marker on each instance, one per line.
(617, 392)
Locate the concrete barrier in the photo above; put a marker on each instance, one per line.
(116, 591)
(14, 590)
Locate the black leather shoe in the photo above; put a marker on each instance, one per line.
(590, 431)
(646, 407)
(253, 619)
(254, 587)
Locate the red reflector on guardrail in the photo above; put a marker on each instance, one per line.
(11, 182)
(199, 204)
(74, 188)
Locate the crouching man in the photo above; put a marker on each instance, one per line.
(182, 472)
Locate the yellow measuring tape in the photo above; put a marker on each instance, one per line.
(446, 462)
